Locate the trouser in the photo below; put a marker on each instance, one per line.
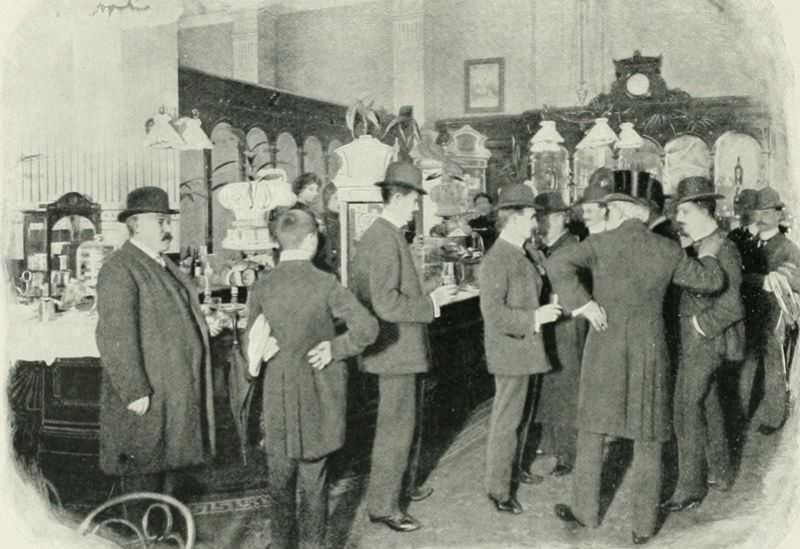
(646, 482)
(559, 441)
(699, 419)
(771, 410)
(510, 420)
(288, 528)
(394, 433)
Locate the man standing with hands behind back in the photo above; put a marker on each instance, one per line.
(386, 281)
(156, 401)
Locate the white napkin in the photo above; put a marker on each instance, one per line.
(261, 346)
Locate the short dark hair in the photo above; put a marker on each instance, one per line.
(707, 204)
(292, 227)
(482, 195)
(388, 191)
(304, 180)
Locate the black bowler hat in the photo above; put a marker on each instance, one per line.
(695, 188)
(403, 174)
(146, 200)
(550, 202)
(516, 195)
(649, 190)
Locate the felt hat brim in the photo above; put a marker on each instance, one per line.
(403, 184)
(125, 214)
(698, 196)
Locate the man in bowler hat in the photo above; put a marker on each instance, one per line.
(779, 260)
(386, 281)
(625, 386)
(156, 402)
(711, 332)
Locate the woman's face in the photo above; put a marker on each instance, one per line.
(308, 193)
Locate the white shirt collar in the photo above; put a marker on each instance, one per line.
(766, 235)
(397, 222)
(515, 241)
(295, 255)
(148, 251)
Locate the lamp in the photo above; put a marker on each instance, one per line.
(546, 139)
(184, 133)
(599, 135)
(629, 138)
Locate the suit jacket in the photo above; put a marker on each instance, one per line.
(153, 340)
(720, 315)
(386, 281)
(625, 386)
(769, 256)
(510, 288)
(305, 409)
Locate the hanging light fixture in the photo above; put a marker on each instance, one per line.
(629, 138)
(600, 135)
(546, 139)
(186, 133)
(192, 132)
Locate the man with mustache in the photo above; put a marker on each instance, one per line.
(156, 402)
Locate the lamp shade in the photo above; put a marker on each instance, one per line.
(546, 139)
(162, 134)
(629, 138)
(193, 134)
(599, 135)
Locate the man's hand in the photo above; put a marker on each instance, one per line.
(595, 314)
(320, 356)
(547, 314)
(710, 245)
(443, 295)
(140, 406)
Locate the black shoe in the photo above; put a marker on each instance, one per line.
(767, 430)
(640, 540)
(561, 469)
(420, 492)
(511, 505)
(566, 515)
(402, 522)
(529, 478)
(682, 505)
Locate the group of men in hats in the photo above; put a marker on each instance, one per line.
(578, 336)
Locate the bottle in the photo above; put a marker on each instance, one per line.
(738, 173)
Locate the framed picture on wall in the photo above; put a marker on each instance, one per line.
(483, 85)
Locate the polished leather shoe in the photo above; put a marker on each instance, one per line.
(511, 505)
(767, 430)
(420, 492)
(529, 478)
(560, 470)
(682, 505)
(639, 540)
(564, 512)
(399, 523)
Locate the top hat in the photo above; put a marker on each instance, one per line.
(695, 188)
(550, 202)
(768, 198)
(516, 195)
(623, 182)
(594, 194)
(649, 190)
(146, 200)
(746, 200)
(403, 174)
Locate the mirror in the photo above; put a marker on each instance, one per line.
(67, 234)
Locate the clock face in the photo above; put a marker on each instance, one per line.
(638, 85)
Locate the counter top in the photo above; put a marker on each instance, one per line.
(70, 334)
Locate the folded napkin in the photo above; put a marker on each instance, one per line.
(261, 346)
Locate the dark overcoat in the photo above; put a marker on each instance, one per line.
(304, 410)
(153, 340)
(386, 281)
(510, 288)
(625, 376)
(563, 341)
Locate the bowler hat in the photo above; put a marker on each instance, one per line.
(146, 200)
(650, 191)
(403, 174)
(695, 188)
(516, 195)
(550, 202)
(768, 198)
(594, 194)
(746, 200)
(619, 197)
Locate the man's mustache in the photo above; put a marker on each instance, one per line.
(167, 237)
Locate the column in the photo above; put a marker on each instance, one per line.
(245, 45)
(408, 55)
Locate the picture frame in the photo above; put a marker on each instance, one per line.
(484, 85)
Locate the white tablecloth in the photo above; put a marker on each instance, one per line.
(71, 334)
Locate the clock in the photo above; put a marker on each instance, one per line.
(637, 85)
